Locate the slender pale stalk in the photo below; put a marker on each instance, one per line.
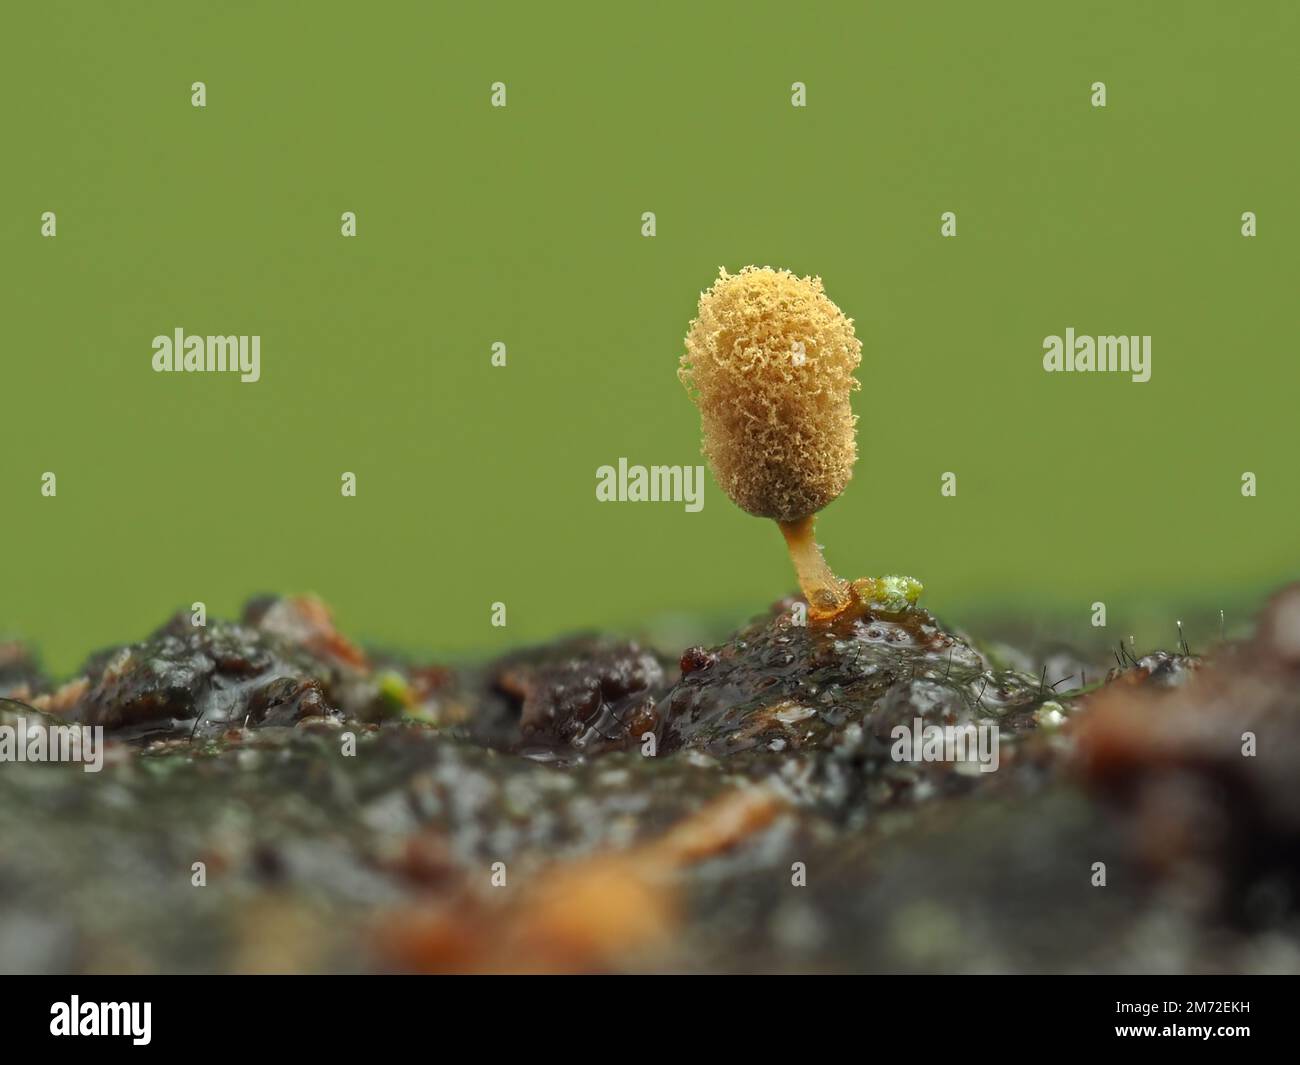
(827, 595)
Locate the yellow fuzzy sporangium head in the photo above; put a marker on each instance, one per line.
(769, 362)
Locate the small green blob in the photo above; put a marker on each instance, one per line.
(892, 594)
(394, 693)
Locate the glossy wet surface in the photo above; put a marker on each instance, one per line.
(595, 805)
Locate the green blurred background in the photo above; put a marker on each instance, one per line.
(523, 225)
